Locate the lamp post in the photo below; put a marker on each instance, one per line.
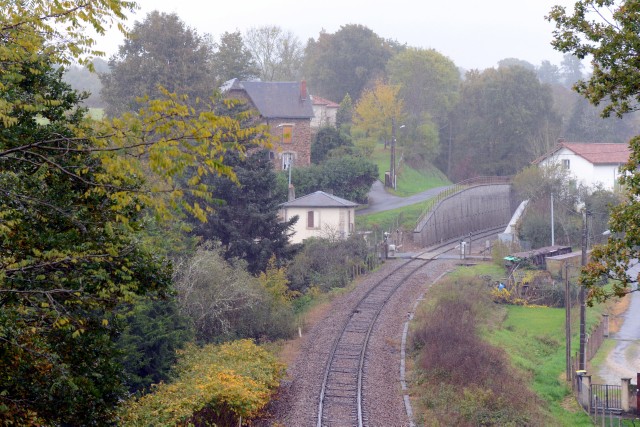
(392, 167)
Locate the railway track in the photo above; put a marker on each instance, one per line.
(341, 395)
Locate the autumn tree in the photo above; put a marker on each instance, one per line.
(346, 61)
(277, 53)
(377, 112)
(161, 51)
(607, 31)
(73, 193)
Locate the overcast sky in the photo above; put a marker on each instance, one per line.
(473, 33)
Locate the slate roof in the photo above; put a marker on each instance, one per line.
(595, 153)
(319, 199)
(280, 100)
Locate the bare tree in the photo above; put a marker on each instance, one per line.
(213, 293)
(278, 53)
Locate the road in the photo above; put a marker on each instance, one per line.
(624, 359)
(381, 200)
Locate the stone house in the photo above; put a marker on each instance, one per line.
(286, 108)
(590, 163)
(320, 215)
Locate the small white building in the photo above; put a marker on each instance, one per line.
(325, 112)
(320, 215)
(590, 163)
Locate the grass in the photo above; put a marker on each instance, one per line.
(404, 218)
(534, 339)
(409, 181)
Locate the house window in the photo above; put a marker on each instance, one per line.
(565, 164)
(287, 160)
(287, 134)
(313, 220)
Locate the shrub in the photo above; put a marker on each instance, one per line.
(463, 380)
(213, 384)
(225, 302)
(326, 264)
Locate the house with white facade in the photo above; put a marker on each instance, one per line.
(591, 164)
(320, 215)
(325, 112)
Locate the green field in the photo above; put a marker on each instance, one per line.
(410, 181)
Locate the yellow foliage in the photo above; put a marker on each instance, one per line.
(238, 376)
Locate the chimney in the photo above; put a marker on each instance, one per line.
(303, 90)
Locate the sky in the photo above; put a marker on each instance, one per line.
(472, 33)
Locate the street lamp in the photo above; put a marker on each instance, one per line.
(392, 168)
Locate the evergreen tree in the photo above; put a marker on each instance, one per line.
(232, 59)
(161, 50)
(246, 220)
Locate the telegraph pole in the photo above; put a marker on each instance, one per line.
(583, 305)
(392, 178)
(567, 320)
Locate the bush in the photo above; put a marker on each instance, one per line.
(225, 302)
(326, 264)
(463, 380)
(213, 385)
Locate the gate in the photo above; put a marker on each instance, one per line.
(606, 398)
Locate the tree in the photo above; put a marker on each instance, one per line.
(68, 256)
(161, 51)
(515, 62)
(73, 195)
(246, 221)
(224, 302)
(153, 332)
(346, 61)
(586, 124)
(502, 120)
(82, 79)
(346, 176)
(277, 53)
(548, 73)
(344, 115)
(377, 111)
(429, 86)
(232, 59)
(429, 82)
(326, 139)
(612, 40)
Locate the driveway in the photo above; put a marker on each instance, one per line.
(381, 200)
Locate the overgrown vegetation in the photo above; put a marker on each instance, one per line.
(461, 379)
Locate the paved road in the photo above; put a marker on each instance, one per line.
(380, 200)
(624, 359)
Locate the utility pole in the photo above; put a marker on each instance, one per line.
(553, 237)
(392, 168)
(567, 319)
(583, 305)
